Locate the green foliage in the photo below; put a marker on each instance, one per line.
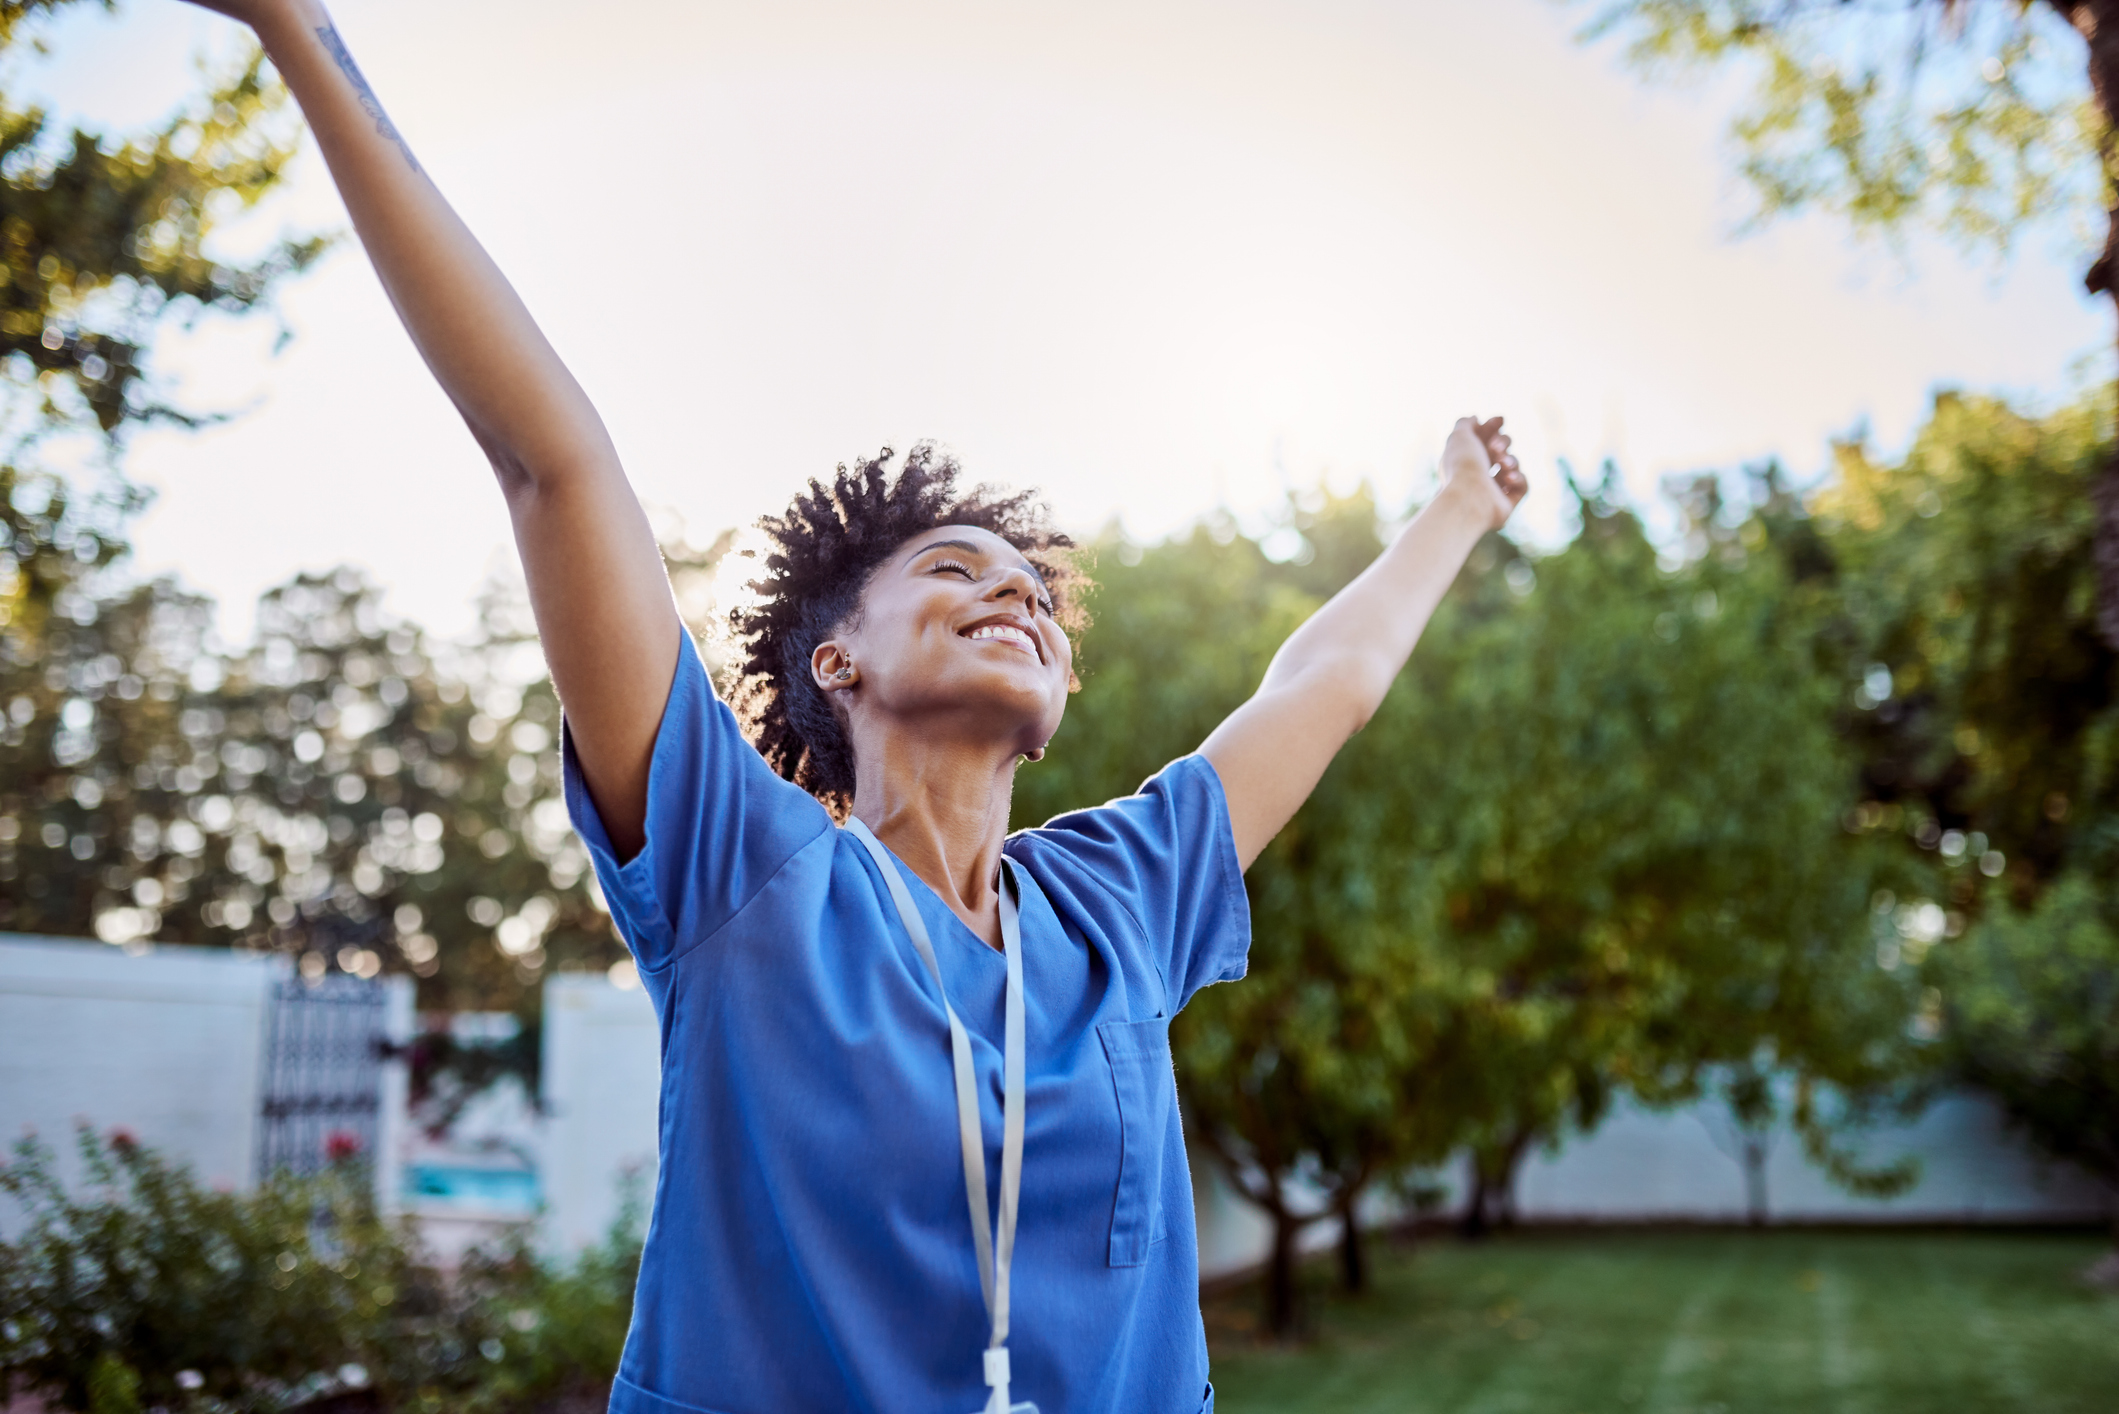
(146, 1289)
(1619, 799)
(1985, 709)
(343, 788)
(2032, 1014)
(102, 240)
(1971, 117)
(136, 1288)
(562, 1329)
(1982, 700)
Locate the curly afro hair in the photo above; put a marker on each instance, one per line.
(821, 556)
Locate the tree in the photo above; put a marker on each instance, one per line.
(102, 244)
(1985, 704)
(1633, 838)
(103, 240)
(1977, 689)
(342, 790)
(1969, 116)
(2032, 1015)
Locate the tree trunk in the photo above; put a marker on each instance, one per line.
(1754, 1147)
(1474, 1225)
(1353, 1261)
(1503, 1188)
(1280, 1276)
(2097, 21)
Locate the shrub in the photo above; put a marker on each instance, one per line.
(559, 1330)
(2031, 1000)
(144, 1291)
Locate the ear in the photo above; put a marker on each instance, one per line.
(831, 667)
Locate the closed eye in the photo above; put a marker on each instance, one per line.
(1043, 600)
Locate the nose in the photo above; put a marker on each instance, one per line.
(1017, 582)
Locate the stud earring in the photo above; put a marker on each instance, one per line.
(844, 674)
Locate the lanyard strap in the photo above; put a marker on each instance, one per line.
(996, 1249)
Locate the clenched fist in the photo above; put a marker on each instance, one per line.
(1476, 462)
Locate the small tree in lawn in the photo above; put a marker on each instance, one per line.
(1627, 793)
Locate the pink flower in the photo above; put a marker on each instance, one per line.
(341, 1145)
(124, 1140)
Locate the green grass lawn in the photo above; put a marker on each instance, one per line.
(1866, 1322)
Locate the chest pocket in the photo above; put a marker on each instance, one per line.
(1139, 1052)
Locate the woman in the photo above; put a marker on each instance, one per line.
(860, 1025)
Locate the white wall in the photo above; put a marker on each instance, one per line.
(1641, 1165)
(393, 1130)
(166, 1043)
(1678, 1166)
(601, 1083)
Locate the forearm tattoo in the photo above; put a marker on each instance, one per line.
(336, 48)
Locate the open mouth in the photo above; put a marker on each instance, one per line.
(1010, 633)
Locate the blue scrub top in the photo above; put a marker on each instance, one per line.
(809, 1248)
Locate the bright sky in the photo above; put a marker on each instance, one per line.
(1149, 255)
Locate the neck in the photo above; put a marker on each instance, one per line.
(942, 808)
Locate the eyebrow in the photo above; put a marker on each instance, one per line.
(972, 547)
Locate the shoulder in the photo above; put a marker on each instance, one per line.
(1182, 801)
(1130, 847)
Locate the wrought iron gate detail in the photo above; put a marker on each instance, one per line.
(324, 1046)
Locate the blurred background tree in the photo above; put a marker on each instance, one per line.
(2033, 1017)
(1975, 118)
(1978, 691)
(343, 790)
(102, 246)
(103, 239)
(1984, 703)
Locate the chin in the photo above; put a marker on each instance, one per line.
(1011, 701)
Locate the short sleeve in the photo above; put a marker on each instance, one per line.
(720, 823)
(1167, 855)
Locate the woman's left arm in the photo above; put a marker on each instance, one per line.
(1329, 678)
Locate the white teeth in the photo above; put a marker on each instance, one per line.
(1006, 633)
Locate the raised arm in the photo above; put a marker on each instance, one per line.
(1330, 676)
(602, 599)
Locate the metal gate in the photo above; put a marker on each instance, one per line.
(324, 1048)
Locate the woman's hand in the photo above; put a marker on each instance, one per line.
(1476, 464)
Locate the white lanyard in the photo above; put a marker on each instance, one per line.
(996, 1250)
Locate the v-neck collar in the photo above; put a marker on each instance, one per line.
(957, 927)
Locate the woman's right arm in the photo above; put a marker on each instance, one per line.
(597, 584)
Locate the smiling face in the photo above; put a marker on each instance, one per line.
(954, 635)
